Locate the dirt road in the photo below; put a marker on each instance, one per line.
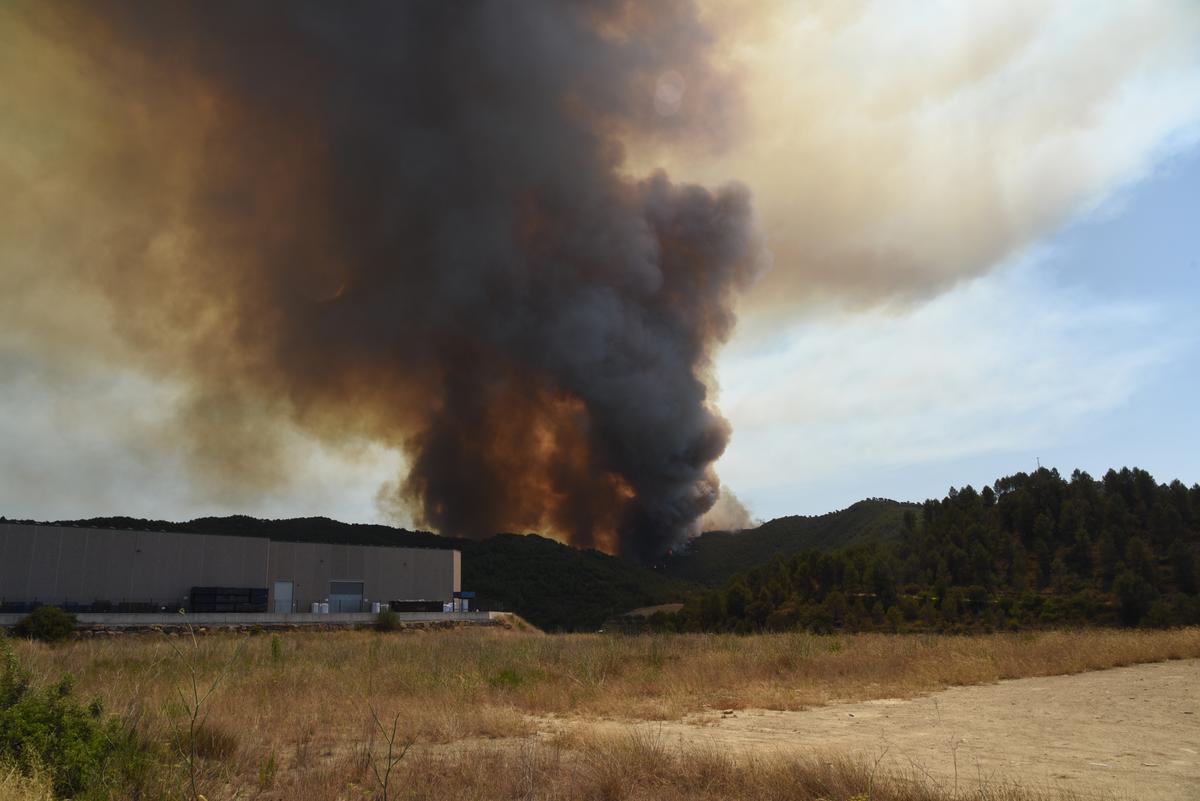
(1131, 732)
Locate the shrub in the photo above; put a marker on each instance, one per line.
(46, 731)
(387, 620)
(46, 623)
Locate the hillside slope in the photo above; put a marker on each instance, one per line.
(714, 556)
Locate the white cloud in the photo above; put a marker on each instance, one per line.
(1000, 363)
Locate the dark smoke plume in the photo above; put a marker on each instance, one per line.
(408, 222)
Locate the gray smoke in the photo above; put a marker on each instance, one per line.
(409, 223)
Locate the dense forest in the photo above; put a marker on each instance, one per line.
(1031, 550)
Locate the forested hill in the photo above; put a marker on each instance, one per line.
(1032, 549)
(554, 586)
(714, 556)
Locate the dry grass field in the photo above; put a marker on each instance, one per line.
(311, 716)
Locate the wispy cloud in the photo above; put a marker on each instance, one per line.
(1004, 362)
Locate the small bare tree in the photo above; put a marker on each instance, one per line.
(393, 755)
(194, 696)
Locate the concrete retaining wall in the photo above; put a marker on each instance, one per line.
(266, 619)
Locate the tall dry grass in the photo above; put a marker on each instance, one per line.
(295, 714)
(641, 767)
(627, 768)
(16, 787)
(488, 674)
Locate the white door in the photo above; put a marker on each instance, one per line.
(283, 596)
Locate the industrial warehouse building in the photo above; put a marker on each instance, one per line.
(104, 569)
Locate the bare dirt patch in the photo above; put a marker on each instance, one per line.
(1130, 732)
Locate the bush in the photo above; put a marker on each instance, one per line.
(387, 620)
(45, 731)
(46, 623)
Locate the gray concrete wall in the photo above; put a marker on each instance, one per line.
(388, 574)
(56, 564)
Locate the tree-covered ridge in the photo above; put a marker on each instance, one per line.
(715, 556)
(1032, 549)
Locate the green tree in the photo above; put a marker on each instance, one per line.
(1183, 563)
(1020, 571)
(951, 605)
(737, 598)
(1135, 596)
(710, 610)
(759, 609)
(1108, 558)
(1139, 559)
(895, 618)
(834, 607)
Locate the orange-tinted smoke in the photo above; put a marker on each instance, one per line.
(407, 223)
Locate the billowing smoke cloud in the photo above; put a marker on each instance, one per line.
(897, 148)
(409, 223)
(728, 514)
(438, 227)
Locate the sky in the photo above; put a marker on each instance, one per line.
(981, 223)
(1082, 353)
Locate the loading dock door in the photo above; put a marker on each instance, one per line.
(345, 596)
(283, 596)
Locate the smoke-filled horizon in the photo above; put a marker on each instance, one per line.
(267, 257)
(408, 223)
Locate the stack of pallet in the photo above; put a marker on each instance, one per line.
(416, 606)
(229, 599)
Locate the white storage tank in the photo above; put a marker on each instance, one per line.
(376, 607)
(316, 608)
(324, 607)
